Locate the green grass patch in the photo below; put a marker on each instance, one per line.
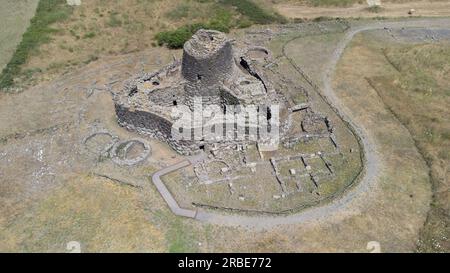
(181, 11)
(180, 236)
(180, 240)
(114, 21)
(255, 13)
(417, 93)
(420, 67)
(228, 15)
(173, 39)
(89, 35)
(39, 32)
(176, 38)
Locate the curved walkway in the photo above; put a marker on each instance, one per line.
(372, 162)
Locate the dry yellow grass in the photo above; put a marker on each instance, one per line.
(358, 8)
(108, 217)
(101, 215)
(101, 28)
(415, 89)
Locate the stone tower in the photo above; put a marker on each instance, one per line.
(207, 63)
(222, 73)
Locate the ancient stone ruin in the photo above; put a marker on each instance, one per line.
(228, 77)
(212, 70)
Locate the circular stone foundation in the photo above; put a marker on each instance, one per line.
(120, 152)
(102, 139)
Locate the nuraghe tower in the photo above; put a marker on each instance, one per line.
(215, 71)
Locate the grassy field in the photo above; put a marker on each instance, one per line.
(225, 15)
(102, 216)
(105, 216)
(415, 88)
(331, 3)
(311, 9)
(61, 38)
(16, 17)
(419, 96)
(336, 3)
(47, 13)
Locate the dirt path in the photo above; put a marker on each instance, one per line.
(422, 8)
(373, 164)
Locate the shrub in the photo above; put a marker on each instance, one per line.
(176, 38)
(336, 3)
(221, 21)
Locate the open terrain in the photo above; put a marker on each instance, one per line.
(65, 38)
(411, 78)
(391, 210)
(16, 17)
(359, 9)
(55, 188)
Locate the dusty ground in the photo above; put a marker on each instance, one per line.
(53, 192)
(15, 18)
(422, 8)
